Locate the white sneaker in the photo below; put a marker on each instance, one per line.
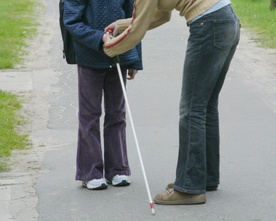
(120, 180)
(96, 184)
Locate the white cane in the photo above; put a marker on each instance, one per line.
(134, 134)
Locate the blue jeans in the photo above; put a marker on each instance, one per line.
(211, 46)
(92, 163)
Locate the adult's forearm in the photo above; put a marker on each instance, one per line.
(134, 33)
(160, 18)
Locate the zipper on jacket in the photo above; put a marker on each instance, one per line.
(111, 19)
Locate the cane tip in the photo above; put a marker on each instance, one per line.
(152, 208)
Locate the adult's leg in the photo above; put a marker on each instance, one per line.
(212, 127)
(209, 46)
(223, 27)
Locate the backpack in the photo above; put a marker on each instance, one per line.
(68, 46)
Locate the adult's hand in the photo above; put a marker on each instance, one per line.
(114, 28)
(106, 37)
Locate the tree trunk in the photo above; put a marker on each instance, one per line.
(272, 5)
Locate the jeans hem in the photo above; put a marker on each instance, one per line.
(184, 190)
(213, 184)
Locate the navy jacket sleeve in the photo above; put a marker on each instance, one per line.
(73, 12)
(139, 64)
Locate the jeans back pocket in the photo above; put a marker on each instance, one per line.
(225, 32)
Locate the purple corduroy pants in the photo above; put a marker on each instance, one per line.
(93, 161)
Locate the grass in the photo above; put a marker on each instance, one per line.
(256, 16)
(16, 24)
(10, 119)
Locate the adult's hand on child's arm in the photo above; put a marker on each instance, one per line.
(114, 28)
(106, 37)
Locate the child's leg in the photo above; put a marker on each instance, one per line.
(89, 153)
(116, 160)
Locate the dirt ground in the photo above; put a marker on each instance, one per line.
(17, 193)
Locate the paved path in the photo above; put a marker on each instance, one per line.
(248, 125)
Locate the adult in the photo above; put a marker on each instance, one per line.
(214, 36)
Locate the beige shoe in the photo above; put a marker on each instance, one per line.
(169, 186)
(173, 197)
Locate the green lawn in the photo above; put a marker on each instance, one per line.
(17, 22)
(256, 16)
(9, 120)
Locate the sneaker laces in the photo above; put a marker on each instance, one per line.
(170, 191)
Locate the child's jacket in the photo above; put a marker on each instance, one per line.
(86, 20)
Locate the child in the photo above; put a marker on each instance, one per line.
(98, 78)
